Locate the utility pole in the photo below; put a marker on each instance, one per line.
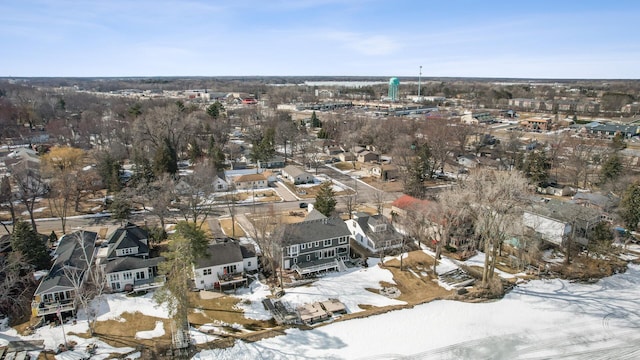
(419, 76)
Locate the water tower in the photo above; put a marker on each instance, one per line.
(394, 83)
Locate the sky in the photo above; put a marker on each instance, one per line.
(506, 39)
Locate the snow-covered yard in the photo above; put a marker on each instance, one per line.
(542, 319)
(538, 319)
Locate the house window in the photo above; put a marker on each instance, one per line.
(248, 263)
(115, 286)
(229, 269)
(206, 272)
(318, 254)
(127, 276)
(295, 260)
(115, 277)
(303, 246)
(343, 240)
(317, 244)
(140, 275)
(329, 253)
(327, 242)
(308, 257)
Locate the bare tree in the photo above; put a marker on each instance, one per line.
(194, 198)
(495, 201)
(268, 231)
(86, 277)
(156, 197)
(31, 186)
(379, 199)
(351, 203)
(16, 285)
(7, 196)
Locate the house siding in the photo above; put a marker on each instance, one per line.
(208, 277)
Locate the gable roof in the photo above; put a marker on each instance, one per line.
(364, 221)
(131, 263)
(405, 202)
(71, 254)
(295, 171)
(227, 252)
(315, 230)
(250, 177)
(314, 215)
(129, 236)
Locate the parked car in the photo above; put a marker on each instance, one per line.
(304, 205)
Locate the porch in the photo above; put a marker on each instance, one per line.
(42, 309)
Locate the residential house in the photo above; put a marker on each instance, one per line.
(333, 150)
(275, 162)
(316, 245)
(225, 264)
(367, 156)
(250, 181)
(556, 221)
(130, 272)
(220, 182)
(347, 156)
(406, 203)
(296, 175)
(374, 232)
(126, 260)
(384, 172)
(72, 259)
(468, 161)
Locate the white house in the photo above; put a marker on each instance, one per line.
(556, 220)
(128, 273)
(296, 175)
(374, 232)
(220, 182)
(226, 264)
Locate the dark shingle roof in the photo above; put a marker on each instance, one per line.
(389, 233)
(315, 230)
(220, 254)
(131, 263)
(128, 237)
(72, 254)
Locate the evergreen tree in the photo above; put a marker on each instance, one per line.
(109, 170)
(315, 122)
(195, 151)
(214, 110)
(536, 166)
(325, 199)
(185, 245)
(31, 245)
(216, 155)
(630, 206)
(166, 159)
(120, 208)
(611, 169)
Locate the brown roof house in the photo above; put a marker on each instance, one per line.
(251, 181)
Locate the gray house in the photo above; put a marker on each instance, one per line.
(126, 264)
(57, 290)
(316, 245)
(296, 175)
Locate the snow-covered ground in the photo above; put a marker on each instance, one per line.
(542, 319)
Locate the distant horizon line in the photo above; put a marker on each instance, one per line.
(362, 77)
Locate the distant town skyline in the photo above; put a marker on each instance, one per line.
(498, 39)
